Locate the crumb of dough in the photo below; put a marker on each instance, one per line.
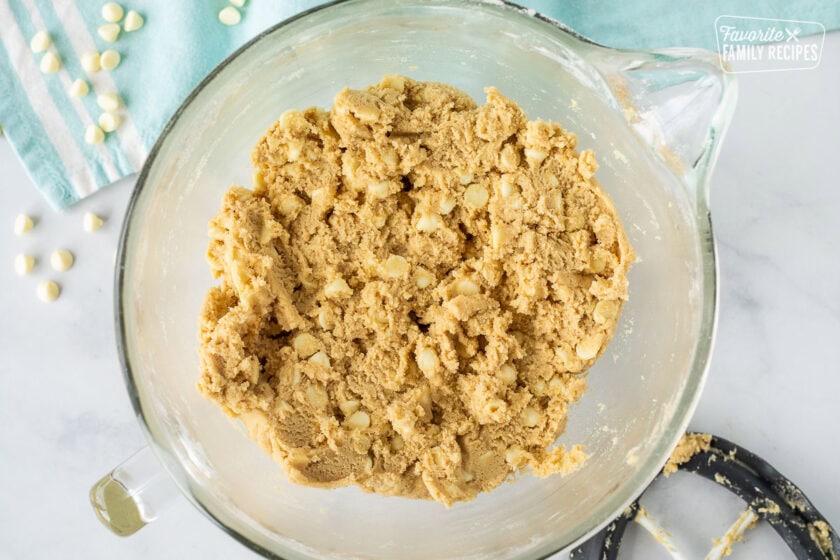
(820, 533)
(410, 292)
(688, 446)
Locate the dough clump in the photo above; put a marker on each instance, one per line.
(410, 292)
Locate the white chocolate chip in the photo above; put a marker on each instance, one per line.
(91, 222)
(534, 155)
(109, 101)
(109, 32)
(509, 158)
(94, 134)
(428, 223)
(48, 291)
(396, 266)
(23, 224)
(500, 236)
(350, 406)
(338, 288)
(40, 42)
(465, 178)
(325, 320)
(605, 310)
(446, 204)
(467, 288)
(109, 122)
(133, 21)
(50, 63)
(317, 396)
(424, 279)
(112, 12)
(359, 420)
(24, 264)
(61, 260)
(476, 196)
(530, 416)
(238, 3)
(230, 16)
(79, 88)
(110, 59)
(305, 345)
(320, 358)
(507, 187)
(589, 347)
(379, 190)
(427, 360)
(507, 373)
(91, 62)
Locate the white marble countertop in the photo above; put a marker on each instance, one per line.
(773, 385)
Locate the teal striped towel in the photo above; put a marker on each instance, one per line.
(182, 41)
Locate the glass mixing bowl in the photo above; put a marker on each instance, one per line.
(655, 120)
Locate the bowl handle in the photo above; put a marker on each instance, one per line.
(678, 101)
(132, 495)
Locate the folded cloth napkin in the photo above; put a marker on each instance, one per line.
(182, 41)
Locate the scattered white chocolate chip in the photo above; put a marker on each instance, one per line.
(79, 88)
(40, 42)
(423, 279)
(467, 288)
(465, 178)
(110, 59)
(24, 264)
(50, 63)
(509, 158)
(94, 134)
(359, 420)
(91, 222)
(91, 62)
(320, 358)
(396, 266)
(112, 12)
(338, 288)
(109, 122)
(109, 32)
(427, 360)
(109, 101)
(476, 196)
(507, 373)
(230, 16)
(133, 21)
(48, 291)
(61, 260)
(305, 345)
(589, 347)
(238, 3)
(23, 223)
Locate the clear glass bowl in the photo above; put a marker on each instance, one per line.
(654, 120)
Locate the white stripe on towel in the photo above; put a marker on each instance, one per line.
(104, 155)
(47, 113)
(82, 41)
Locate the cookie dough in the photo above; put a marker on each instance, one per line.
(689, 445)
(410, 292)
